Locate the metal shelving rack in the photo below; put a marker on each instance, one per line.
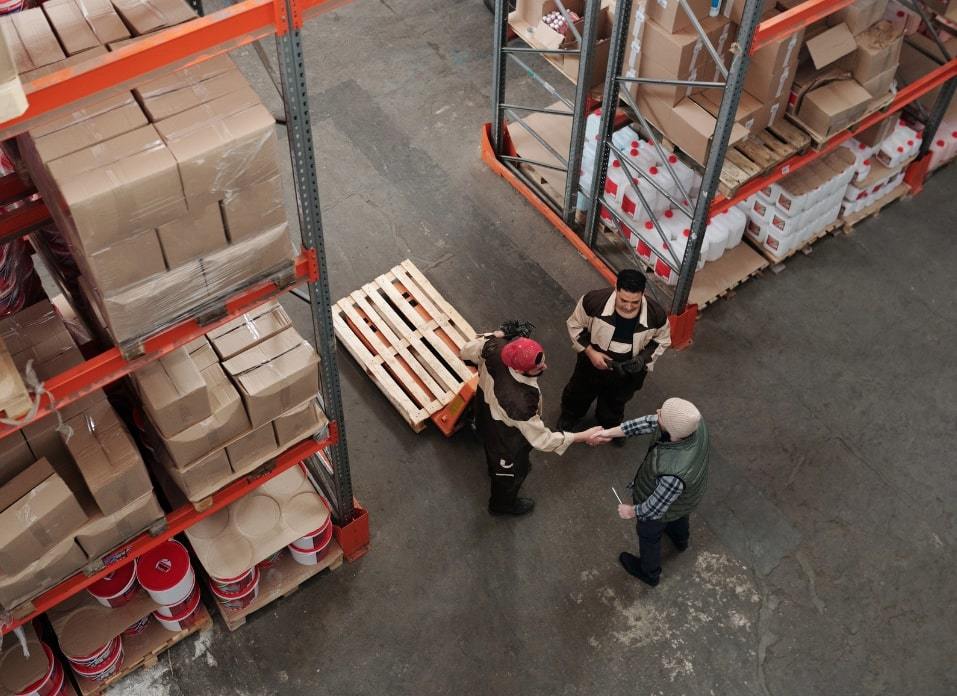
(326, 458)
(499, 154)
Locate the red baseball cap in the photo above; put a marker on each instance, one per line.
(522, 354)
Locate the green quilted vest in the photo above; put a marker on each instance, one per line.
(687, 459)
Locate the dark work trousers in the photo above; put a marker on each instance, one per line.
(613, 392)
(507, 476)
(649, 541)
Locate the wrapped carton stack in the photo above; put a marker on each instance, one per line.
(879, 167)
(84, 484)
(169, 196)
(785, 215)
(228, 402)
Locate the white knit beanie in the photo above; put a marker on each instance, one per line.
(679, 418)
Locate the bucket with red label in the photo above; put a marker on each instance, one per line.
(51, 684)
(117, 588)
(235, 585)
(271, 561)
(234, 601)
(178, 608)
(94, 658)
(310, 539)
(188, 617)
(311, 555)
(137, 628)
(166, 573)
(107, 667)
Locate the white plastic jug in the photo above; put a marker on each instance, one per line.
(680, 244)
(717, 235)
(624, 138)
(686, 175)
(644, 242)
(615, 182)
(738, 221)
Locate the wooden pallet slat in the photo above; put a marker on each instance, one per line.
(15, 401)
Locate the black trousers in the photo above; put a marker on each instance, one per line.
(612, 391)
(507, 474)
(649, 541)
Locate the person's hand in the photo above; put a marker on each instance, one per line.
(598, 359)
(587, 435)
(627, 512)
(601, 437)
(498, 334)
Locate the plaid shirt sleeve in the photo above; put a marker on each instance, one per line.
(640, 426)
(657, 504)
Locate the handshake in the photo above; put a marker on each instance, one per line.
(598, 435)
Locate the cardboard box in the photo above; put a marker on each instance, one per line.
(145, 16)
(133, 192)
(125, 262)
(252, 448)
(15, 456)
(189, 75)
(238, 264)
(199, 233)
(664, 93)
(228, 420)
(173, 392)
(734, 10)
(85, 133)
(916, 62)
(202, 354)
(201, 478)
(254, 209)
(60, 560)
(831, 45)
(107, 458)
(860, 15)
(773, 58)
(875, 135)
(833, 106)
(687, 125)
(290, 425)
(37, 511)
(71, 28)
(879, 85)
(20, 669)
(275, 375)
(37, 37)
(223, 145)
(104, 21)
(244, 332)
(18, 52)
(37, 327)
(162, 105)
(105, 532)
(48, 125)
(74, 61)
(769, 87)
(669, 15)
(878, 50)
(751, 113)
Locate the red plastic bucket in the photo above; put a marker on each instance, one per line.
(311, 555)
(52, 682)
(310, 539)
(235, 585)
(234, 601)
(117, 588)
(267, 563)
(107, 667)
(179, 607)
(137, 628)
(98, 656)
(183, 620)
(166, 573)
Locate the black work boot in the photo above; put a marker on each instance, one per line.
(521, 506)
(566, 423)
(631, 563)
(681, 546)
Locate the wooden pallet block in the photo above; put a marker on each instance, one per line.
(759, 153)
(15, 401)
(407, 338)
(281, 580)
(873, 210)
(805, 248)
(143, 651)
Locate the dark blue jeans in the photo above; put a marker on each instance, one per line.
(649, 541)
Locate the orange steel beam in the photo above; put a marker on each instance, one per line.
(110, 366)
(19, 221)
(13, 187)
(789, 21)
(177, 521)
(915, 90)
(194, 41)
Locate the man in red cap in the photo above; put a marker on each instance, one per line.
(508, 409)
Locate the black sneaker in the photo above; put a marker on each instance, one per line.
(631, 563)
(521, 506)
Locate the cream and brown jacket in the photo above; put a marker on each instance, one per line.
(593, 324)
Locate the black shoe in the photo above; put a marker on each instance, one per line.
(681, 547)
(566, 423)
(632, 564)
(521, 506)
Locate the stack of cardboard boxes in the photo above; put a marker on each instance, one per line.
(68, 493)
(169, 195)
(230, 401)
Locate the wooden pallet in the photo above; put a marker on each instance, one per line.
(281, 580)
(15, 401)
(759, 153)
(873, 210)
(407, 338)
(143, 651)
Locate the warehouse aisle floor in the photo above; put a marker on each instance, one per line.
(823, 558)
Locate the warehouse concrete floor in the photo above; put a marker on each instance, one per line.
(823, 556)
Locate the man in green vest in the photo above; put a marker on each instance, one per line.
(668, 485)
